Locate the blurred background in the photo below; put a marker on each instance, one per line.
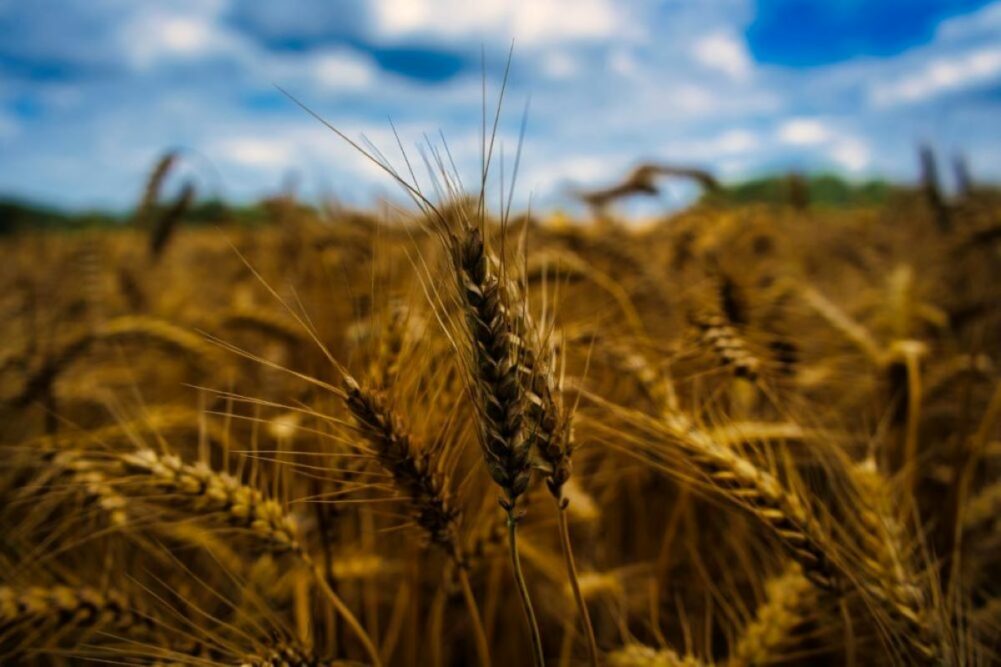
(91, 93)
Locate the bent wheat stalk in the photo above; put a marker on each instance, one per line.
(877, 571)
(121, 329)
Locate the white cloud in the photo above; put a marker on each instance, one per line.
(256, 152)
(851, 153)
(690, 98)
(610, 83)
(732, 142)
(559, 65)
(804, 132)
(185, 36)
(154, 36)
(736, 141)
(846, 150)
(733, 168)
(940, 76)
(983, 22)
(565, 20)
(343, 70)
(572, 171)
(529, 23)
(623, 63)
(723, 52)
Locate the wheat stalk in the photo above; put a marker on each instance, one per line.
(288, 655)
(496, 356)
(125, 328)
(494, 341)
(78, 606)
(549, 432)
(217, 497)
(220, 499)
(729, 346)
(763, 495)
(887, 572)
(416, 473)
(637, 655)
(789, 597)
(44, 613)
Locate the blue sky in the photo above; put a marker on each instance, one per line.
(91, 92)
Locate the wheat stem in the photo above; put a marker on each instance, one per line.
(479, 634)
(519, 580)
(349, 618)
(585, 617)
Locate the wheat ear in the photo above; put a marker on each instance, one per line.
(637, 655)
(729, 346)
(495, 358)
(881, 572)
(417, 474)
(496, 352)
(763, 495)
(288, 655)
(549, 432)
(223, 499)
(60, 608)
(788, 596)
(887, 573)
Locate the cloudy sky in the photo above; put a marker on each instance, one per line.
(92, 91)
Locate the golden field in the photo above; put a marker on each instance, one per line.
(742, 434)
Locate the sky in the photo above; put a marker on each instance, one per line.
(93, 91)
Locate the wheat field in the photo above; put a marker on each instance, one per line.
(740, 434)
